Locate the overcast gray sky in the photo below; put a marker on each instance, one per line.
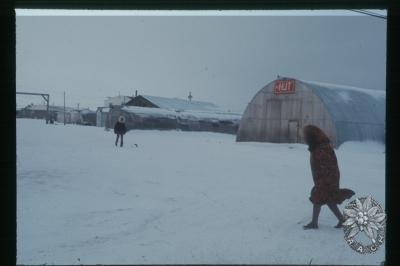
(222, 59)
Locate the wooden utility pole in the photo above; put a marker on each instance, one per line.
(64, 108)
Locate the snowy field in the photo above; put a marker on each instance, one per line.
(180, 197)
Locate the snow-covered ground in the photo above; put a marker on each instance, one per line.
(180, 197)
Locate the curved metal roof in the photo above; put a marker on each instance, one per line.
(358, 114)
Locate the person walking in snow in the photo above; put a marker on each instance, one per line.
(326, 176)
(120, 130)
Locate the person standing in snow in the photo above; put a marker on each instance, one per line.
(120, 130)
(326, 176)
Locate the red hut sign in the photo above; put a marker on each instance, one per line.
(284, 86)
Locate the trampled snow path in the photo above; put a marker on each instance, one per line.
(181, 197)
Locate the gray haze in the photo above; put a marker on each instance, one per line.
(225, 60)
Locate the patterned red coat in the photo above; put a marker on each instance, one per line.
(324, 168)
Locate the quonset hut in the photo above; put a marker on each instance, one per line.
(279, 111)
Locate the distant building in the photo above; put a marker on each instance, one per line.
(71, 117)
(40, 111)
(153, 112)
(175, 104)
(101, 116)
(56, 113)
(117, 100)
(88, 117)
(279, 111)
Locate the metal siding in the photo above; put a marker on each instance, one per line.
(357, 114)
(269, 122)
(344, 114)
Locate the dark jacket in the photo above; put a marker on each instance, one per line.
(120, 128)
(324, 168)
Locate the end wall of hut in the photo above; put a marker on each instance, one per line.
(279, 118)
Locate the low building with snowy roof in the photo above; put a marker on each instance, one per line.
(153, 112)
(40, 111)
(56, 113)
(175, 104)
(279, 111)
(71, 117)
(88, 117)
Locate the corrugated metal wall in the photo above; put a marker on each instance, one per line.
(343, 113)
(280, 118)
(137, 121)
(358, 114)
